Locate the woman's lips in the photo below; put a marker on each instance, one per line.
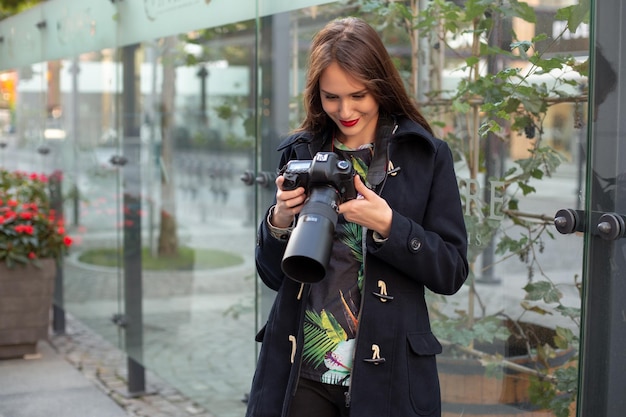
(349, 123)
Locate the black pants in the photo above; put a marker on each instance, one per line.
(315, 399)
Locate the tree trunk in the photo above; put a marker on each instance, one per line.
(168, 231)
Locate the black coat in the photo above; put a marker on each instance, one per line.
(395, 371)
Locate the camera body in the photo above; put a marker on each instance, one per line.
(325, 169)
(328, 182)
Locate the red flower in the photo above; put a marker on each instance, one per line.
(29, 228)
(24, 228)
(25, 215)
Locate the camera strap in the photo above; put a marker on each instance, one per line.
(378, 167)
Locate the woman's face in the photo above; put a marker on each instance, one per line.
(348, 103)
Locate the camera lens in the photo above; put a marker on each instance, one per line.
(308, 250)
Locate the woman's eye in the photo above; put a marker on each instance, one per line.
(359, 96)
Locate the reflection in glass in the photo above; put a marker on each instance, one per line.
(213, 103)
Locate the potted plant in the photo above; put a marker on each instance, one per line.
(504, 91)
(32, 241)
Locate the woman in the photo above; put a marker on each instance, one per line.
(359, 341)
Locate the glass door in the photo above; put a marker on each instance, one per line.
(603, 366)
(89, 85)
(511, 335)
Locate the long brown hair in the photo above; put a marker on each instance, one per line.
(356, 47)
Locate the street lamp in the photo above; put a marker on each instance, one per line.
(203, 73)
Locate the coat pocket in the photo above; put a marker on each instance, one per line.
(422, 368)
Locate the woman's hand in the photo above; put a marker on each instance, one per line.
(368, 209)
(288, 204)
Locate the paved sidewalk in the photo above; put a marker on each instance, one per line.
(48, 385)
(79, 374)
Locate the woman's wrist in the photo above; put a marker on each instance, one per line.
(385, 226)
(278, 232)
(279, 221)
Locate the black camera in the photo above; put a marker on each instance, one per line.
(328, 182)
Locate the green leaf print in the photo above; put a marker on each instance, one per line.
(322, 334)
(360, 167)
(352, 237)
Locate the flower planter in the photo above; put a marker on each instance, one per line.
(25, 299)
(467, 390)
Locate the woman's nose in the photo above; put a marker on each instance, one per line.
(345, 109)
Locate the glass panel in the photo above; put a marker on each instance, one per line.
(197, 217)
(509, 95)
(90, 88)
(189, 129)
(514, 114)
(603, 364)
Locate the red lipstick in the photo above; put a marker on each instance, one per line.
(349, 123)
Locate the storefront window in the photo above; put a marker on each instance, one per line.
(164, 118)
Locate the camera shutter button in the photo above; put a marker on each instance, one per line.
(343, 164)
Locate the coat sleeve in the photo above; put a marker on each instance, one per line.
(269, 250)
(268, 256)
(433, 251)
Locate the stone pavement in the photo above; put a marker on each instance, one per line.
(45, 384)
(105, 365)
(78, 374)
(198, 326)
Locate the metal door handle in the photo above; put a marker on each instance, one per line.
(569, 221)
(247, 177)
(264, 178)
(611, 226)
(118, 160)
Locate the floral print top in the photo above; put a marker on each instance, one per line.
(331, 318)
